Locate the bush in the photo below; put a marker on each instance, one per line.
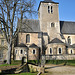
(65, 62)
(34, 61)
(16, 62)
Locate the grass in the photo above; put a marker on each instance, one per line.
(16, 62)
(13, 62)
(57, 62)
(7, 64)
(21, 74)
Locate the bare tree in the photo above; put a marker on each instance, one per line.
(10, 12)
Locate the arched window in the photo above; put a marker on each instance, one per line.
(51, 9)
(21, 51)
(50, 50)
(60, 50)
(52, 24)
(69, 40)
(34, 52)
(2, 42)
(27, 38)
(1, 32)
(16, 51)
(1, 54)
(71, 52)
(48, 9)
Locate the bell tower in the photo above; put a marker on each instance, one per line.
(49, 18)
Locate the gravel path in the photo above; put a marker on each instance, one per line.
(59, 70)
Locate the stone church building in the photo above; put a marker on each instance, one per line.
(46, 36)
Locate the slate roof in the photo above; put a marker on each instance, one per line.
(21, 45)
(29, 25)
(67, 27)
(33, 46)
(71, 46)
(56, 40)
(50, 1)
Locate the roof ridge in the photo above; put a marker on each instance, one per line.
(56, 40)
(31, 19)
(33, 45)
(68, 21)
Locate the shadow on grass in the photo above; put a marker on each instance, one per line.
(46, 71)
(9, 71)
(54, 67)
(2, 74)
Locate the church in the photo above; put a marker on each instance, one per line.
(46, 36)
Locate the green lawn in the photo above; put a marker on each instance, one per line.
(13, 62)
(21, 74)
(8, 64)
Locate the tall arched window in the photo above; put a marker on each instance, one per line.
(34, 52)
(48, 9)
(16, 52)
(1, 32)
(69, 40)
(2, 42)
(71, 52)
(21, 51)
(60, 51)
(50, 50)
(27, 38)
(51, 9)
(52, 24)
(1, 53)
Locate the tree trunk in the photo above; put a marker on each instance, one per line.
(9, 53)
(10, 44)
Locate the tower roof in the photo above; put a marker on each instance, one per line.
(48, 1)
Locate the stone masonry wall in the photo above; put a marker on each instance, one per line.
(32, 56)
(55, 48)
(72, 37)
(33, 38)
(61, 57)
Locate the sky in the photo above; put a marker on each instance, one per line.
(66, 9)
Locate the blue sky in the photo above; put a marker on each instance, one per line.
(66, 9)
